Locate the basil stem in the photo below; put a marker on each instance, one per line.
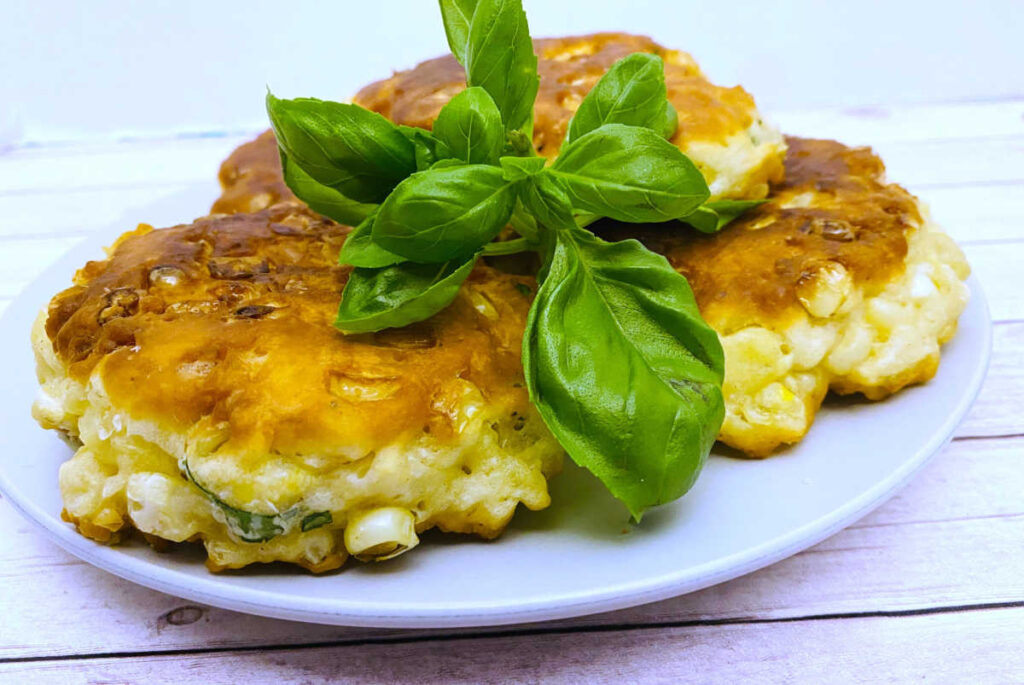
(506, 247)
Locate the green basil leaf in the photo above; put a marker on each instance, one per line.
(360, 250)
(631, 92)
(499, 58)
(427, 148)
(250, 527)
(457, 16)
(399, 295)
(470, 126)
(447, 163)
(444, 213)
(714, 216)
(547, 200)
(355, 151)
(320, 198)
(671, 122)
(518, 168)
(316, 520)
(623, 369)
(629, 174)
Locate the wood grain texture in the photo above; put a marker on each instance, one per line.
(928, 587)
(999, 409)
(963, 646)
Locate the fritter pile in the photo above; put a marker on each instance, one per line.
(210, 398)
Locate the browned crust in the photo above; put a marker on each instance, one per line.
(751, 271)
(243, 335)
(251, 178)
(569, 67)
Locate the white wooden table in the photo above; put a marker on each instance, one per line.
(929, 587)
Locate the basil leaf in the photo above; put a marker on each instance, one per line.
(316, 520)
(547, 200)
(623, 369)
(499, 58)
(320, 198)
(671, 123)
(446, 163)
(714, 216)
(518, 168)
(250, 527)
(427, 148)
(360, 250)
(355, 151)
(399, 295)
(457, 16)
(629, 174)
(631, 92)
(470, 126)
(444, 213)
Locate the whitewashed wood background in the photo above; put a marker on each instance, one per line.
(929, 587)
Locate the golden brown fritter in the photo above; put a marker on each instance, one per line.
(832, 208)
(214, 342)
(838, 282)
(719, 128)
(251, 178)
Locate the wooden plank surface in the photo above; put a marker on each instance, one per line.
(929, 586)
(950, 647)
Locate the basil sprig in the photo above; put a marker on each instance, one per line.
(617, 359)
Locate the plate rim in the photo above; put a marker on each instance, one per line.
(214, 591)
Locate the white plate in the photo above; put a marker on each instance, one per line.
(580, 556)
